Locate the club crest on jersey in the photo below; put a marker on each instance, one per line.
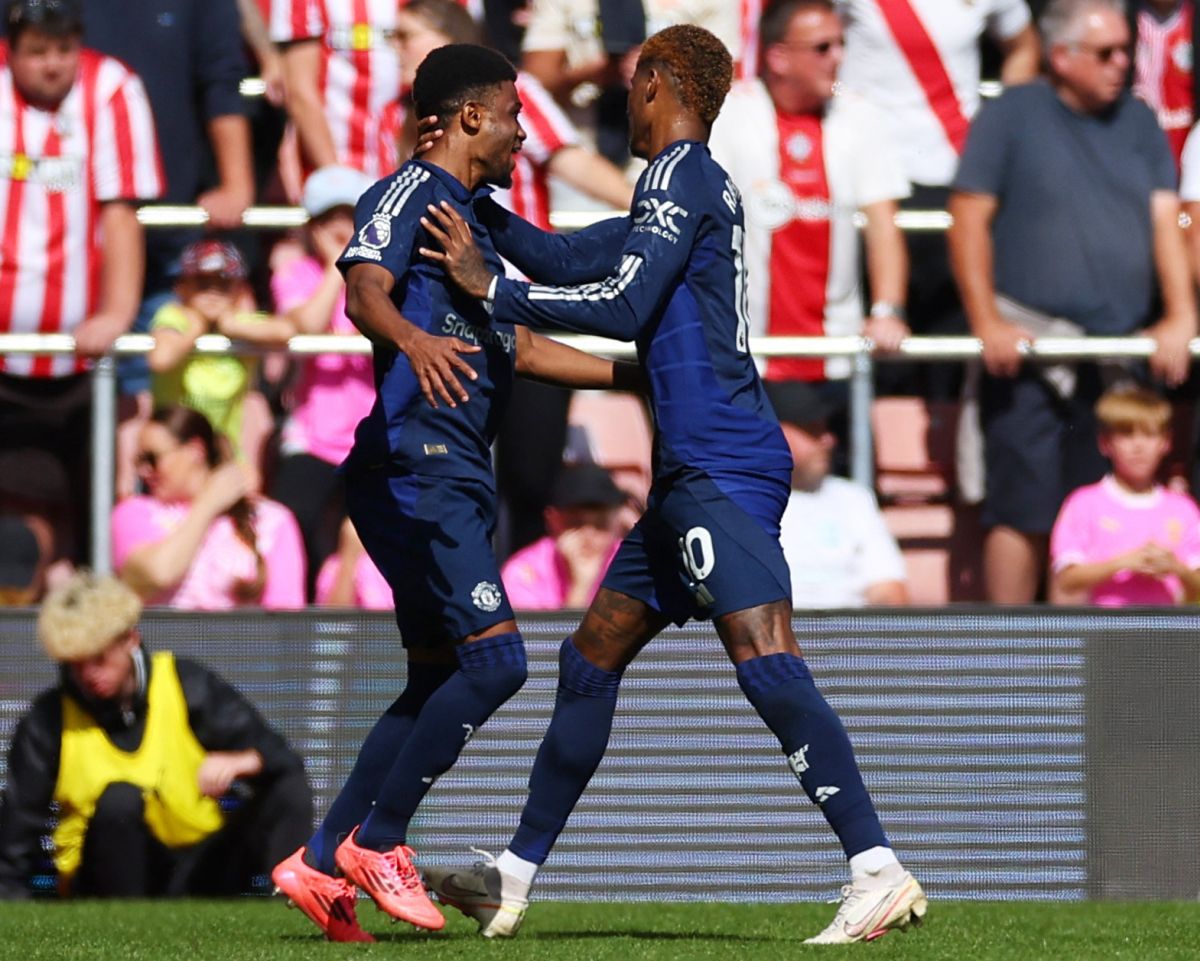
(658, 217)
(1182, 57)
(486, 596)
(799, 147)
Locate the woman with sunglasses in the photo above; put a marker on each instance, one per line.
(197, 539)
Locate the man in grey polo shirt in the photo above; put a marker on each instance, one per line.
(1064, 207)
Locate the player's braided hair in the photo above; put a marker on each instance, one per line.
(185, 424)
(455, 74)
(698, 63)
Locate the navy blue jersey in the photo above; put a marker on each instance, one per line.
(402, 429)
(679, 292)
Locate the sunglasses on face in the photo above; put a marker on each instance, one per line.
(1105, 54)
(822, 49)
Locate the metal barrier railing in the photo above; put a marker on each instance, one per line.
(859, 349)
(283, 218)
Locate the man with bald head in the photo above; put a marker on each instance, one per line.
(1065, 219)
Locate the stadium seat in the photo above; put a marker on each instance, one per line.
(914, 448)
(914, 476)
(617, 431)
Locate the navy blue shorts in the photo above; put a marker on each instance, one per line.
(1038, 447)
(431, 538)
(696, 554)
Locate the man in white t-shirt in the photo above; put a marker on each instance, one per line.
(919, 61)
(806, 162)
(837, 546)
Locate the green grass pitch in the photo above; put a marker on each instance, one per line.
(257, 929)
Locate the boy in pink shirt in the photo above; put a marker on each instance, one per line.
(1127, 539)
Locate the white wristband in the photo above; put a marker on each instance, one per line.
(489, 302)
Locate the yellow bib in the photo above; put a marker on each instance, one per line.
(165, 767)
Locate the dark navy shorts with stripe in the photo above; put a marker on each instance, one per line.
(696, 554)
(431, 538)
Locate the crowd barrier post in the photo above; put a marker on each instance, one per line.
(104, 459)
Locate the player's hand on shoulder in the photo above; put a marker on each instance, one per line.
(459, 256)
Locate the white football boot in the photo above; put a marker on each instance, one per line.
(872, 906)
(483, 892)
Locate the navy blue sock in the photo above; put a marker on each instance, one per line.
(816, 746)
(375, 759)
(490, 671)
(570, 752)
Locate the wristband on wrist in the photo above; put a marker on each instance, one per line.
(489, 300)
(885, 308)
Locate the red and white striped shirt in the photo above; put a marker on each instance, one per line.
(360, 73)
(751, 13)
(802, 179)
(56, 169)
(547, 130)
(919, 61)
(1163, 72)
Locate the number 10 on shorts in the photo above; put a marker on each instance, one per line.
(696, 549)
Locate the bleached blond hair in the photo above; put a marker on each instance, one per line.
(85, 615)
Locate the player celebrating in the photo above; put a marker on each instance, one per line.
(419, 487)
(708, 544)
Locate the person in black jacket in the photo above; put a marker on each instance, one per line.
(166, 780)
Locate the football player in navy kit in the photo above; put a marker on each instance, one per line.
(420, 489)
(708, 544)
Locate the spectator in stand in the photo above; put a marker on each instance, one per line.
(1127, 539)
(530, 445)
(211, 297)
(341, 73)
(919, 61)
(583, 52)
(806, 161)
(198, 540)
(505, 21)
(150, 773)
(1031, 257)
(79, 140)
(332, 392)
(349, 578)
(191, 59)
(34, 490)
(22, 562)
(563, 570)
(553, 147)
(1163, 76)
(838, 548)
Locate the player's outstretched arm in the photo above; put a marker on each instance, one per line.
(435, 360)
(549, 362)
(617, 306)
(581, 257)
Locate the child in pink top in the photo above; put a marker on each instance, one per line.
(1127, 539)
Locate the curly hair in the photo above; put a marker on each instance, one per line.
(699, 64)
(85, 615)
